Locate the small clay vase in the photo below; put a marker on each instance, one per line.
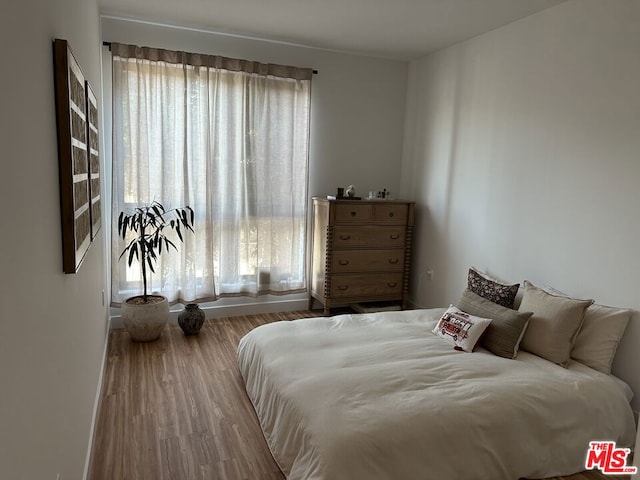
(191, 319)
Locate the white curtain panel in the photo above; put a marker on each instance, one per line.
(233, 145)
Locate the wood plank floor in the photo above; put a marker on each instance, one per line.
(176, 409)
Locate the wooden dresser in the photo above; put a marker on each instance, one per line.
(361, 251)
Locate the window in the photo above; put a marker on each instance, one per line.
(228, 138)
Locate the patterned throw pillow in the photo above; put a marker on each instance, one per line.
(461, 329)
(487, 287)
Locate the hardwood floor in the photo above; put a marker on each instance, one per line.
(176, 409)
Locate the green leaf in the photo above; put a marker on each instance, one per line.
(133, 251)
(127, 219)
(189, 226)
(150, 249)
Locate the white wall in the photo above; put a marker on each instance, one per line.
(357, 115)
(52, 326)
(522, 150)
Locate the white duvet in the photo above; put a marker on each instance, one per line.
(378, 396)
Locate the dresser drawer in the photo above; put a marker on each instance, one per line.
(368, 236)
(353, 213)
(391, 213)
(365, 285)
(347, 261)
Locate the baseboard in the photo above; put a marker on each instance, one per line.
(96, 404)
(233, 310)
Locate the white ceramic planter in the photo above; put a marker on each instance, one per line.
(145, 321)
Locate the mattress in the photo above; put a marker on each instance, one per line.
(378, 396)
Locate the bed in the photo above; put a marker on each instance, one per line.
(378, 396)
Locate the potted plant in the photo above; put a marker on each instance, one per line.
(145, 315)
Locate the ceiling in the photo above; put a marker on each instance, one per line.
(395, 29)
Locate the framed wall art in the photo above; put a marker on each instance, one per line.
(93, 149)
(71, 117)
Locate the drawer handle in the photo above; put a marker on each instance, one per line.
(343, 287)
(353, 213)
(391, 214)
(343, 262)
(345, 237)
(393, 261)
(392, 284)
(394, 236)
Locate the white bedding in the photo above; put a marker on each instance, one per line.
(377, 396)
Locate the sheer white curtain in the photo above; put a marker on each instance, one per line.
(228, 138)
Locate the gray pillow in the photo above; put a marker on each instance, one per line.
(502, 336)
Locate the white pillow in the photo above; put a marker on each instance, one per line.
(461, 329)
(598, 339)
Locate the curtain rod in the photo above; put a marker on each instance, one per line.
(108, 44)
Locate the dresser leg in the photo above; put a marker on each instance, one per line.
(310, 302)
(327, 311)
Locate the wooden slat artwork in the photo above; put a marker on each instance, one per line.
(94, 160)
(72, 157)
